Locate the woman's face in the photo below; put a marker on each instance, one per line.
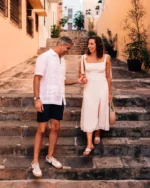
(92, 45)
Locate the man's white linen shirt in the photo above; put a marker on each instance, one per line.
(52, 84)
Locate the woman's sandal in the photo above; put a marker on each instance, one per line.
(97, 140)
(87, 151)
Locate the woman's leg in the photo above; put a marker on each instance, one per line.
(97, 137)
(97, 132)
(90, 145)
(89, 140)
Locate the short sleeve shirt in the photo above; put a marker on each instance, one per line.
(52, 84)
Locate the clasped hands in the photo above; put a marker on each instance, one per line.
(82, 80)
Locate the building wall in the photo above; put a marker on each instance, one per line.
(76, 5)
(16, 45)
(48, 21)
(112, 17)
(88, 4)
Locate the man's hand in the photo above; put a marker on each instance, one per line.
(38, 105)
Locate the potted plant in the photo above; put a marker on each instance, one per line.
(55, 31)
(91, 31)
(110, 43)
(136, 47)
(63, 21)
(78, 20)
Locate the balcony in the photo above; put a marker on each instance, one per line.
(38, 7)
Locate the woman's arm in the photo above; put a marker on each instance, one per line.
(81, 72)
(108, 76)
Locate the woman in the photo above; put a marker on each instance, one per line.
(97, 93)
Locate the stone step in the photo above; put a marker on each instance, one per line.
(76, 100)
(78, 48)
(79, 168)
(32, 183)
(72, 129)
(73, 114)
(75, 184)
(73, 146)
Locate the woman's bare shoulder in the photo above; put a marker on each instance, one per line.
(108, 57)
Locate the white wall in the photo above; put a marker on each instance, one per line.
(91, 4)
(76, 5)
(50, 19)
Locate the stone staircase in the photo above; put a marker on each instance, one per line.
(122, 160)
(79, 39)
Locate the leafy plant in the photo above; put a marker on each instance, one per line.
(63, 21)
(110, 42)
(136, 48)
(55, 31)
(78, 20)
(91, 33)
(90, 24)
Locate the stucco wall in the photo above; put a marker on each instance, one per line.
(112, 17)
(50, 19)
(75, 6)
(16, 45)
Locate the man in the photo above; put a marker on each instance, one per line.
(49, 97)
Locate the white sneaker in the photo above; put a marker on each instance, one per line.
(36, 170)
(53, 162)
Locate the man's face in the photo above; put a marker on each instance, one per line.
(64, 48)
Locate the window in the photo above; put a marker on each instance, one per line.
(70, 13)
(15, 12)
(29, 18)
(4, 7)
(37, 22)
(69, 26)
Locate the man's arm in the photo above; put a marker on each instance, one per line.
(36, 88)
(72, 82)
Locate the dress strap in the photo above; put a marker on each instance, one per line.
(105, 58)
(83, 64)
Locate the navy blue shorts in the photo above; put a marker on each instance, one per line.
(51, 111)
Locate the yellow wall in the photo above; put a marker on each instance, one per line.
(90, 4)
(15, 44)
(114, 13)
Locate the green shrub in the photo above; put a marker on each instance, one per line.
(55, 31)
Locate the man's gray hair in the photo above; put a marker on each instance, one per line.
(65, 39)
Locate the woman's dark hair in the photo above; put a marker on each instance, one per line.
(99, 46)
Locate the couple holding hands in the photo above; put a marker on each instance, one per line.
(49, 95)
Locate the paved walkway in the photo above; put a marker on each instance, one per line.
(19, 80)
(75, 184)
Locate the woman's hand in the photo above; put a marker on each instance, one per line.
(38, 105)
(84, 80)
(110, 98)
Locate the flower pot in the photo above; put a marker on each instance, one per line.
(113, 53)
(134, 65)
(55, 36)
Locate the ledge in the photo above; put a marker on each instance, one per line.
(40, 12)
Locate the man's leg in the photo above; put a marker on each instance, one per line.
(55, 126)
(39, 140)
(37, 147)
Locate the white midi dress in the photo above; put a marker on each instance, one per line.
(95, 108)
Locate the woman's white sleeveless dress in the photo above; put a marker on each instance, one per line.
(95, 109)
